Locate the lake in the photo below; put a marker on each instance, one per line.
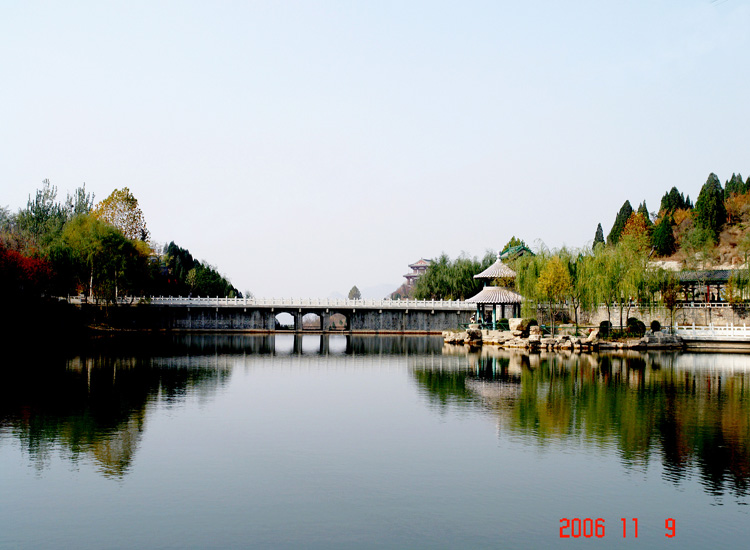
(238, 441)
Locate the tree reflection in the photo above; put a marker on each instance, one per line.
(686, 410)
(94, 406)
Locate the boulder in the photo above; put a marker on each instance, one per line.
(593, 335)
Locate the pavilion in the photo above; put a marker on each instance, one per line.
(499, 299)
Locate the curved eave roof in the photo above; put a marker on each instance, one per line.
(496, 270)
(496, 295)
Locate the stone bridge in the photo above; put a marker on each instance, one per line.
(260, 314)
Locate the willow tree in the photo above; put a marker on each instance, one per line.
(632, 254)
(580, 293)
(528, 269)
(554, 285)
(603, 274)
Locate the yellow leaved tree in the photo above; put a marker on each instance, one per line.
(121, 210)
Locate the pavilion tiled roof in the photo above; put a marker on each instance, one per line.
(705, 276)
(496, 295)
(496, 270)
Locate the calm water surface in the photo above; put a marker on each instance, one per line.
(327, 442)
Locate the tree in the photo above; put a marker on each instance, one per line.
(43, 218)
(121, 210)
(635, 285)
(105, 262)
(554, 284)
(598, 236)
(637, 228)
(734, 186)
(662, 238)
(514, 241)
(643, 211)
(579, 293)
(79, 202)
(355, 294)
(674, 200)
(187, 275)
(698, 246)
(452, 280)
(669, 288)
(710, 213)
(622, 218)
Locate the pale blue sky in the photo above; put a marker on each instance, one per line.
(303, 147)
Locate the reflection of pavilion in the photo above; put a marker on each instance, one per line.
(494, 299)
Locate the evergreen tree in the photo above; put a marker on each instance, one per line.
(674, 200)
(643, 210)
(622, 218)
(663, 239)
(734, 186)
(598, 236)
(355, 294)
(710, 212)
(187, 275)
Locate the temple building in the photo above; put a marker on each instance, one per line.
(496, 302)
(513, 252)
(418, 269)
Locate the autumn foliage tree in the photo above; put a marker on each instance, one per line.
(121, 210)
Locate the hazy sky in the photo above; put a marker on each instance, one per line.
(304, 147)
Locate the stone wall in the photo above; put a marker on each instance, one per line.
(718, 315)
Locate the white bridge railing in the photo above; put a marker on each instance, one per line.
(711, 332)
(293, 302)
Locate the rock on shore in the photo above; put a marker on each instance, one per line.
(534, 340)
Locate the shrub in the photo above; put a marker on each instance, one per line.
(655, 326)
(502, 324)
(636, 327)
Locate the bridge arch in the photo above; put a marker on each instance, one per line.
(285, 320)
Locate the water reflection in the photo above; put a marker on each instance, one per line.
(95, 406)
(691, 412)
(93, 402)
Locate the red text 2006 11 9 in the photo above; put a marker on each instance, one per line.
(596, 528)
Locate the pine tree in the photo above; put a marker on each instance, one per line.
(599, 236)
(674, 200)
(734, 186)
(643, 210)
(710, 212)
(622, 218)
(663, 239)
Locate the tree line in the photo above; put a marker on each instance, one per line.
(681, 224)
(102, 251)
(615, 272)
